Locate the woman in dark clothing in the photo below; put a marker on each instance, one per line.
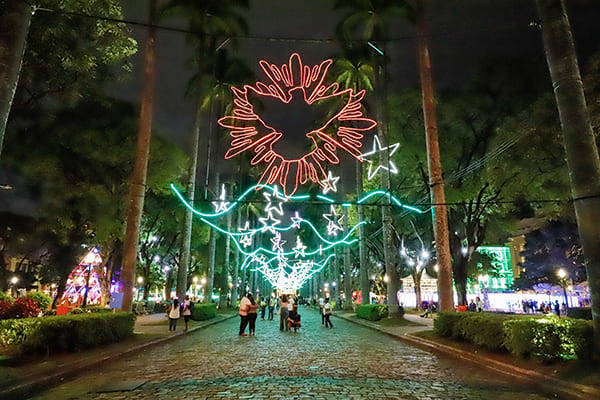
(294, 319)
(252, 315)
(283, 313)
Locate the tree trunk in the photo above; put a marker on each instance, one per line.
(187, 223)
(417, 281)
(135, 199)
(347, 268)
(236, 266)
(212, 255)
(438, 198)
(580, 146)
(225, 280)
(362, 240)
(15, 20)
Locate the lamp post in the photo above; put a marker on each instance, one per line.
(13, 282)
(140, 280)
(562, 275)
(92, 258)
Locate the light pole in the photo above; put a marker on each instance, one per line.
(13, 282)
(92, 258)
(140, 280)
(562, 275)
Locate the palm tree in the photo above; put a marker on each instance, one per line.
(356, 71)
(579, 140)
(137, 188)
(369, 20)
(210, 21)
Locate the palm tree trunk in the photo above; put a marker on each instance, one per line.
(236, 266)
(137, 187)
(212, 255)
(362, 240)
(15, 20)
(436, 182)
(225, 284)
(581, 150)
(347, 268)
(187, 223)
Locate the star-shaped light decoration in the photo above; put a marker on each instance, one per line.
(246, 240)
(277, 242)
(270, 207)
(296, 219)
(221, 204)
(330, 182)
(334, 222)
(269, 223)
(372, 158)
(299, 249)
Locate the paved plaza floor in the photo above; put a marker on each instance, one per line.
(348, 361)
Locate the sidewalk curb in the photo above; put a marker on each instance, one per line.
(24, 389)
(572, 390)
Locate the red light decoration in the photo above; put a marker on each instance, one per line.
(250, 133)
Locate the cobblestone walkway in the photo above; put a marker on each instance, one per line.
(346, 362)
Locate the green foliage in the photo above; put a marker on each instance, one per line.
(4, 296)
(20, 308)
(580, 313)
(76, 311)
(202, 312)
(42, 299)
(372, 312)
(15, 331)
(548, 338)
(77, 332)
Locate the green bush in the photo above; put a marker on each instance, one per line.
(160, 307)
(43, 299)
(5, 296)
(77, 332)
(202, 312)
(449, 324)
(150, 306)
(580, 313)
(96, 309)
(15, 331)
(549, 338)
(76, 311)
(372, 312)
(485, 330)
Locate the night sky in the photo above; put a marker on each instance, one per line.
(465, 32)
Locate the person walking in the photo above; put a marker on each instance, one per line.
(244, 308)
(263, 308)
(252, 314)
(173, 315)
(327, 311)
(187, 306)
(271, 301)
(284, 313)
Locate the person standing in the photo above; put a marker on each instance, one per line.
(283, 312)
(271, 301)
(263, 308)
(478, 304)
(173, 315)
(327, 311)
(244, 308)
(187, 306)
(252, 314)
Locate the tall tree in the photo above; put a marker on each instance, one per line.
(136, 195)
(579, 140)
(15, 18)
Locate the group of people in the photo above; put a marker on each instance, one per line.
(475, 305)
(289, 318)
(177, 310)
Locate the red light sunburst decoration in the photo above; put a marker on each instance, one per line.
(249, 131)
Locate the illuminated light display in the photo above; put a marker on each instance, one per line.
(277, 242)
(76, 282)
(334, 222)
(269, 223)
(250, 133)
(289, 277)
(246, 239)
(296, 220)
(221, 205)
(300, 248)
(372, 158)
(329, 183)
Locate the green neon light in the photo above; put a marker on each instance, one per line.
(325, 198)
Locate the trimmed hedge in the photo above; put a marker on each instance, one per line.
(66, 333)
(372, 312)
(202, 312)
(548, 338)
(580, 313)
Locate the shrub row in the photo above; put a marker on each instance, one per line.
(581, 313)
(66, 333)
(202, 312)
(549, 338)
(372, 312)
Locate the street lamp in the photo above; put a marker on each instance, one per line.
(562, 275)
(92, 258)
(13, 282)
(140, 280)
